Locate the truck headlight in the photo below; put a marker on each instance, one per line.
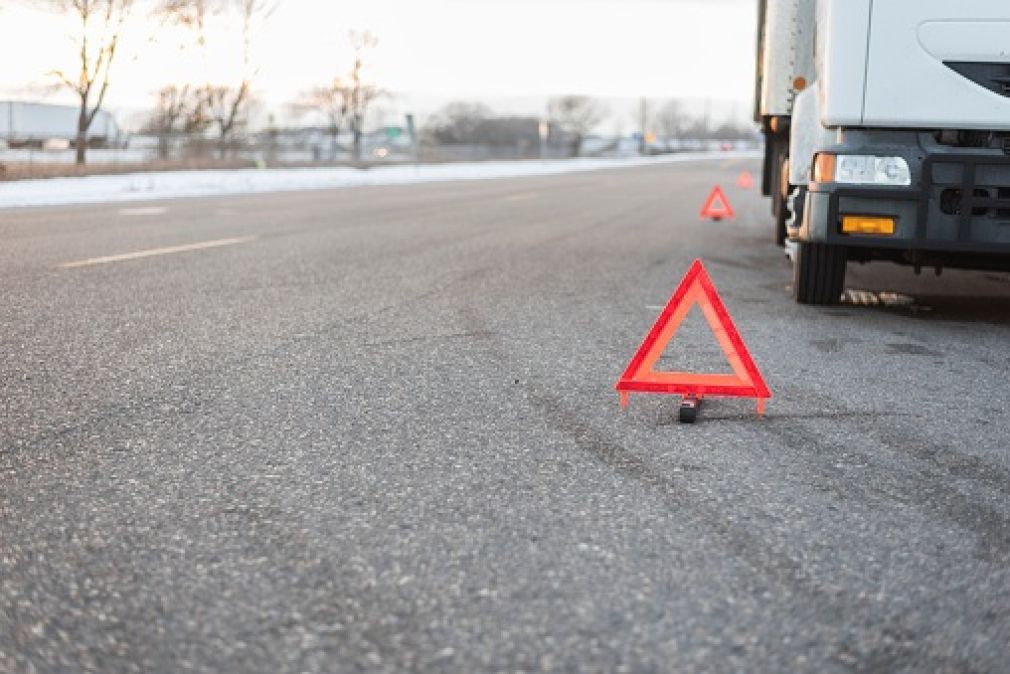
(861, 169)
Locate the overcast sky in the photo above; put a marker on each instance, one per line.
(430, 50)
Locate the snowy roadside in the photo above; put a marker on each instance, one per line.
(178, 184)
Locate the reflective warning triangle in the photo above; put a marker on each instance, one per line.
(641, 376)
(745, 181)
(717, 206)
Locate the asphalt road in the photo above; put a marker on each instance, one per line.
(375, 430)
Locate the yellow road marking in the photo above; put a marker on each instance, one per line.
(521, 197)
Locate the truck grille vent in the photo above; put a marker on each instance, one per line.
(951, 202)
(974, 139)
(993, 76)
(1003, 213)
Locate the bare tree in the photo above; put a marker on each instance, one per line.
(101, 26)
(672, 120)
(734, 129)
(360, 95)
(458, 122)
(189, 13)
(576, 116)
(173, 105)
(699, 128)
(252, 11)
(224, 107)
(333, 102)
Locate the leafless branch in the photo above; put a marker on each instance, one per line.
(96, 54)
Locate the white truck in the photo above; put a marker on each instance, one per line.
(25, 124)
(887, 127)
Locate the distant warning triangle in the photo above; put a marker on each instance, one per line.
(717, 206)
(641, 375)
(745, 181)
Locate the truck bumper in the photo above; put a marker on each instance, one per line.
(955, 213)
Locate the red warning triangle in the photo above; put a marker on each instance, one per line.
(641, 376)
(745, 181)
(717, 206)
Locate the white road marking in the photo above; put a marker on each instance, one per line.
(154, 252)
(149, 210)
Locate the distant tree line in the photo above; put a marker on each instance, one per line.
(568, 122)
(218, 112)
(218, 107)
(465, 123)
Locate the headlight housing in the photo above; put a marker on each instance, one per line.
(861, 169)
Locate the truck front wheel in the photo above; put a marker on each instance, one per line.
(818, 273)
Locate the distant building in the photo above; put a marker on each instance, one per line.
(35, 124)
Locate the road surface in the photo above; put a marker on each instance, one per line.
(375, 429)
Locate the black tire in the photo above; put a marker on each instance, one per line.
(772, 172)
(781, 218)
(818, 273)
(781, 197)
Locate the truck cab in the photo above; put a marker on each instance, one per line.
(887, 127)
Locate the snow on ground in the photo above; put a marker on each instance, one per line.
(178, 184)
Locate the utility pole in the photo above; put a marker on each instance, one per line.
(412, 131)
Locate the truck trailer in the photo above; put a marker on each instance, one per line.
(887, 129)
(24, 124)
